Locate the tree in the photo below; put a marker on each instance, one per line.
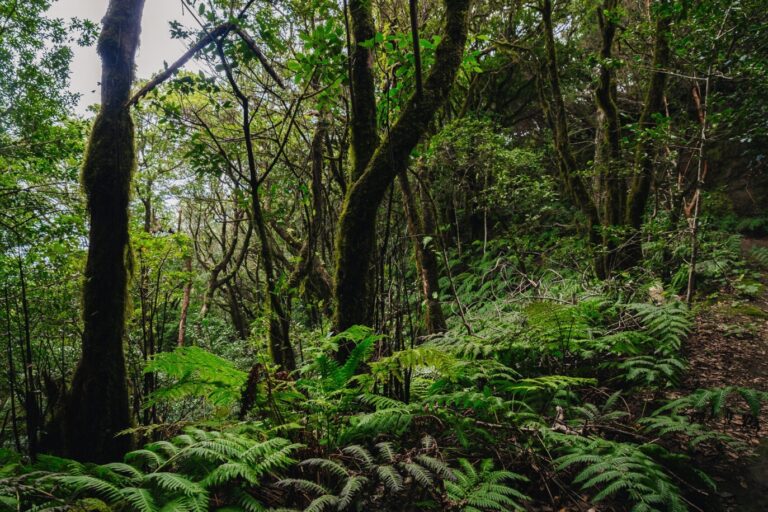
(356, 234)
(618, 211)
(97, 408)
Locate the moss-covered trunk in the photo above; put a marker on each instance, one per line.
(308, 271)
(645, 152)
(97, 408)
(556, 114)
(363, 135)
(612, 188)
(426, 264)
(356, 239)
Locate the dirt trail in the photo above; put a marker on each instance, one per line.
(729, 347)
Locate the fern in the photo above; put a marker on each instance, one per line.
(668, 323)
(613, 469)
(665, 425)
(140, 500)
(361, 477)
(80, 484)
(335, 376)
(760, 256)
(650, 371)
(197, 373)
(713, 401)
(484, 488)
(149, 481)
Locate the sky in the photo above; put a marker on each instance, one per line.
(156, 44)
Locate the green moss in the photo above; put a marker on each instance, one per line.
(90, 505)
(747, 309)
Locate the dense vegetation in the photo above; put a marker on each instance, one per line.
(424, 255)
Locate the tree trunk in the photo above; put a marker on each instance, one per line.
(364, 136)
(97, 407)
(645, 153)
(557, 117)
(356, 239)
(185, 302)
(611, 182)
(426, 263)
(309, 268)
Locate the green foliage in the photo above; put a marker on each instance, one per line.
(328, 374)
(760, 256)
(484, 488)
(619, 470)
(176, 475)
(362, 477)
(717, 402)
(668, 323)
(193, 372)
(655, 361)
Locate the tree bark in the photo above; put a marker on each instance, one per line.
(645, 152)
(97, 408)
(611, 182)
(356, 240)
(426, 263)
(364, 135)
(557, 116)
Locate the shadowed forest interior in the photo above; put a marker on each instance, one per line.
(386, 255)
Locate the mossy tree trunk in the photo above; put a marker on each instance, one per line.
(620, 211)
(557, 116)
(97, 407)
(308, 272)
(363, 135)
(646, 149)
(423, 240)
(356, 236)
(611, 180)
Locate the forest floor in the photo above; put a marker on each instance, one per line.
(729, 347)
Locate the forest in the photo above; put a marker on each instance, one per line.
(386, 255)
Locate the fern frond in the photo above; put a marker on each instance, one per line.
(84, 484)
(327, 465)
(175, 483)
(389, 476)
(351, 488)
(140, 500)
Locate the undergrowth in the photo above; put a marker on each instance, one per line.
(565, 379)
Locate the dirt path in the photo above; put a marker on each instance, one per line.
(729, 347)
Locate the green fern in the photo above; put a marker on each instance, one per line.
(760, 256)
(668, 323)
(360, 477)
(484, 488)
(621, 470)
(713, 402)
(197, 373)
(176, 475)
(651, 371)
